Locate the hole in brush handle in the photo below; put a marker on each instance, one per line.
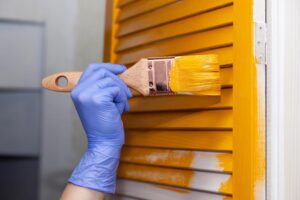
(61, 81)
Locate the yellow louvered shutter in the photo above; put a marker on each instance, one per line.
(187, 147)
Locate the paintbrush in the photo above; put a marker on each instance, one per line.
(189, 75)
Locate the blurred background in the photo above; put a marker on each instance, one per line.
(41, 138)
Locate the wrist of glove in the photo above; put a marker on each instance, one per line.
(97, 169)
(100, 98)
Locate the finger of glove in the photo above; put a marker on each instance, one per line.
(98, 91)
(120, 98)
(114, 68)
(121, 83)
(111, 94)
(102, 73)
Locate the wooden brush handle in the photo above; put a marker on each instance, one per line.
(52, 82)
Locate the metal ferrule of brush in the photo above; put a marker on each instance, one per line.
(159, 76)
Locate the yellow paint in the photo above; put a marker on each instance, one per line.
(225, 55)
(248, 154)
(177, 158)
(196, 74)
(234, 45)
(203, 41)
(160, 157)
(206, 140)
(210, 119)
(140, 7)
(197, 23)
(115, 27)
(227, 185)
(173, 189)
(167, 176)
(225, 161)
(124, 2)
(173, 12)
(177, 103)
(259, 143)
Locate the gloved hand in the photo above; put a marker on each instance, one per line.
(100, 98)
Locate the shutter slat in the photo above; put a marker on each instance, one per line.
(140, 7)
(168, 103)
(124, 2)
(213, 19)
(212, 182)
(225, 55)
(154, 191)
(210, 119)
(191, 43)
(174, 12)
(208, 161)
(200, 140)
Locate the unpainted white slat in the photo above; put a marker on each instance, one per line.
(156, 192)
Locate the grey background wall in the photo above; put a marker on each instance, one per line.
(40, 133)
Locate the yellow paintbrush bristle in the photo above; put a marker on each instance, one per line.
(196, 74)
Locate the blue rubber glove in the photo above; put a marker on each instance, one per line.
(100, 98)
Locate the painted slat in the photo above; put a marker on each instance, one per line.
(140, 7)
(124, 2)
(162, 103)
(225, 55)
(182, 45)
(213, 19)
(176, 11)
(208, 161)
(210, 119)
(156, 192)
(200, 140)
(226, 77)
(212, 182)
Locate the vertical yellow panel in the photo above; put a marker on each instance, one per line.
(249, 166)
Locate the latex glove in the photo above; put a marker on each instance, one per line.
(100, 98)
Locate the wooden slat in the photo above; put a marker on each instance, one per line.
(225, 55)
(124, 2)
(213, 182)
(210, 119)
(140, 7)
(176, 11)
(191, 43)
(159, 192)
(226, 77)
(198, 23)
(168, 103)
(209, 161)
(200, 140)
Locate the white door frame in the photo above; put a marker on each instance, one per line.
(283, 98)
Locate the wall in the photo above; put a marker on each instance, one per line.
(74, 40)
(72, 37)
